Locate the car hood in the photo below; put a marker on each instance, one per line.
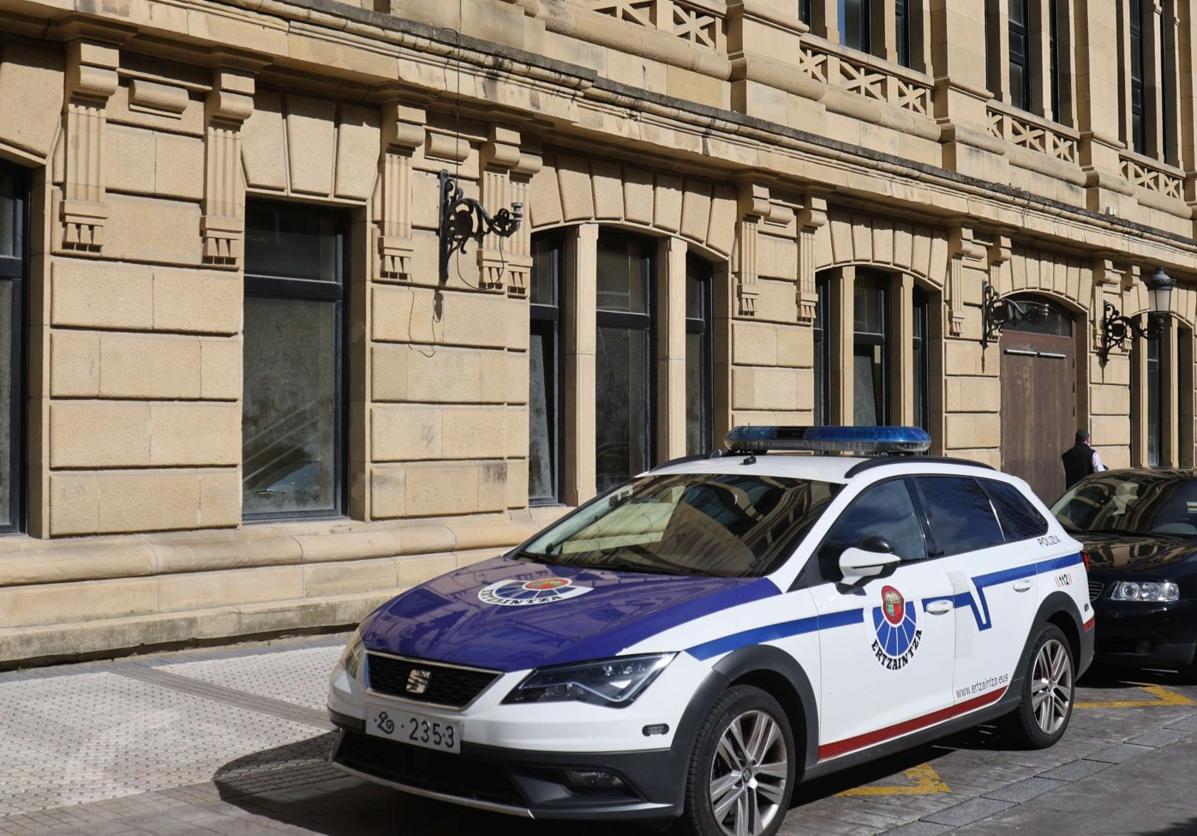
(485, 616)
(1130, 553)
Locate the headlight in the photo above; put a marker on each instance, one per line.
(352, 655)
(1157, 591)
(612, 682)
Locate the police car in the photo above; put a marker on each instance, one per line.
(699, 640)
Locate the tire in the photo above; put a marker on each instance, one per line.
(716, 793)
(1048, 693)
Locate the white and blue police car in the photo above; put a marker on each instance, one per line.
(694, 643)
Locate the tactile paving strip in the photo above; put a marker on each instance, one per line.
(294, 676)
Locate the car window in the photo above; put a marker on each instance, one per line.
(885, 511)
(1018, 517)
(959, 514)
(1134, 503)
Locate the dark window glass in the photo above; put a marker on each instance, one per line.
(292, 419)
(822, 350)
(698, 356)
(726, 525)
(1053, 51)
(854, 24)
(12, 274)
(1138, 59)
(804, 11)
(1155, 411)
(1134, 502)
(1050, 318)
(922, 378)
(884, 511)
(1019, 519)
(1020, 69)
(959, 514)
(870, 361)
(544, 370)
(624, 391)
(1167, 57)
(902, 30)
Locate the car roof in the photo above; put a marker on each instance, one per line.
(821, 468)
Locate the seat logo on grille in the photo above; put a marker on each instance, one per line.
(517, 593)
(417, 681)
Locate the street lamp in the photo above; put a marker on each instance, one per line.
(997, 313)
(1116, 329)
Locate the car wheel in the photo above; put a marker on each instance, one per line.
(1048, 692)
(742, 768)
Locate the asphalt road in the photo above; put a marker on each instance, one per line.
(233, 740)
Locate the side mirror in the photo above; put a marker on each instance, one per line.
(858, 564)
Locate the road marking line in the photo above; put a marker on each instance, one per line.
(924, 781)
(1162, 696)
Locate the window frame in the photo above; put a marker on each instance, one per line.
(920, 334)
(704, 326)
(882, 283)
(1153, 396)
(293, 288)
(822, 331)
(902, 39)
(1020, 32)
(1136, 73)
(866, 25)
(551, 318)
(639, 321)
(14, 269)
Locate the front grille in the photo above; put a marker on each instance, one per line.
(1095, 588)
(426, 769)
(443, 685)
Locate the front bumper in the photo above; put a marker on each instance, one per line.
(517, 782)
(1140, 634)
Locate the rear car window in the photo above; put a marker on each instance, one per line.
(959, 514)
(1018, 517)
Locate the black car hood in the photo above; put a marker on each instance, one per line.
(1137, 553)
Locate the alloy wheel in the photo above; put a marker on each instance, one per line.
(749, 774)
(1051, 686)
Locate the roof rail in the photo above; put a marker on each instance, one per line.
(882, 461)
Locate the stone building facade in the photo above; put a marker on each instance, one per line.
(238, 398)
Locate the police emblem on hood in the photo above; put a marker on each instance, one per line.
(517, 593)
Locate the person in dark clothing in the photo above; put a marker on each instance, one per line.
(1081, 460)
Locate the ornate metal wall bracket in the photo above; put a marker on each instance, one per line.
(997, 313)
(1117, 330)
(463, 218)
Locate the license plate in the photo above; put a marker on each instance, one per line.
(415, 729)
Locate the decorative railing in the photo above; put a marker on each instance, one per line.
(865, 76)
(701, 22)
(1034, 134)
(1152, 177)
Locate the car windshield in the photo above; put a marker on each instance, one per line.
(1131, 503)
(723, 525)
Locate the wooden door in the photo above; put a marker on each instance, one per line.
(1039, 417)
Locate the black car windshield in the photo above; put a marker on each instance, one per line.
(1128, 502)
(723, 525)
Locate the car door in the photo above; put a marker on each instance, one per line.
(886, 664)
(992, 574)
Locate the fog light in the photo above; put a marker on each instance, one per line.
(592, 779)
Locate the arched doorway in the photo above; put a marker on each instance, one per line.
(1039, 397)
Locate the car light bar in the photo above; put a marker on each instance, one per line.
(762, 439)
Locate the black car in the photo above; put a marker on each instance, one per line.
(1139, 529)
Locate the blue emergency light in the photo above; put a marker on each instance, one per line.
(860, 440)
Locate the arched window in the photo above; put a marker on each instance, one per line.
(545, 384)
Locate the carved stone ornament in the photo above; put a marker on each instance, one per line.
(500, 154)
(91, 78)
(229, 104)
(754, 206)
(962, 247)
(811, 217)
(403, 133)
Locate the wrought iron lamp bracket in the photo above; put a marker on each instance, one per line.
(463, 218)
(997, 313)
(1117, 330)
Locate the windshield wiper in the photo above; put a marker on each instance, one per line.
(535, 557)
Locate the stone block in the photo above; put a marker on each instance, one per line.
(696, 87)
(220, 498)
(447, 488)
(149, 366)
(973, 394)
(99, 434)
(418, 568)
(964, 357)
(74, 364)
(764, 388)
(220, 368)
(667, 202)
(262, 143)
(607, 179)
(696, 210)
(1105, 399)
(27, 606)
(150, 229)
(190, 120)
(638, 195)
(203, 590)
(195, 434)
(97, 294)
(406, 433)
(311, 132)
(754, 343)
(343, 578)
(129, 159)
(795, 346)
(31, 85)
(357, 151)
(179, 166)
(197, 301)
(544, 197)
(480, 320)
(388, 491)
(577, 195)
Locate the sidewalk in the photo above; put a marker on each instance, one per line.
(235, 741)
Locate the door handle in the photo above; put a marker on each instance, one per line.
(939, 607)
(1022, 586)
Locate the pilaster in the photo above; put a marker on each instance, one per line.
(500, 154)
(671, 349)
(811, 216)
(962, 248)
(229, 104)
(91, 78)
(754, 206)
(402, 134)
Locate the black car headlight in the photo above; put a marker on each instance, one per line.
(1159, 592)
(614, 683)
(352, 655)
